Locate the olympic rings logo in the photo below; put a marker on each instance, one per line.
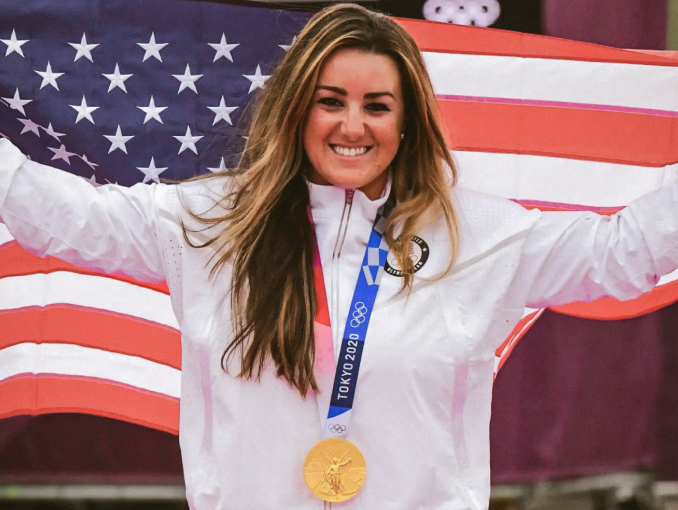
(337, 428)
(359, 314)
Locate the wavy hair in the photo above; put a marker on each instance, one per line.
(265, 232)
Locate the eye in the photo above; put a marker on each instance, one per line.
(485, 8)
(377, 107)
(332, 102)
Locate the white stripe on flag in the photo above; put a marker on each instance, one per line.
(668, 278)
(558, 180)
(542, 80)
(87, 291)
(78, 361)
(528, 311)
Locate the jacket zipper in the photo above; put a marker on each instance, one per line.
(336, 256)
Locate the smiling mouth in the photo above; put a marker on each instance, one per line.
(353, 151)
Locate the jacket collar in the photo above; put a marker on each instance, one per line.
(328, 201)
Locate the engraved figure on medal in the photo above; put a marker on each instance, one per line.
(334, 470)
(335, 474)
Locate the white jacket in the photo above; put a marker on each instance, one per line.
(422, 408)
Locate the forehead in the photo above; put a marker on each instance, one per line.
(353, 69)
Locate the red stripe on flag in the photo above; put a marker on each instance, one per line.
(87, 327)
(612, 309)
(443, 37)
(553, 206)
(54, 394)
(322, 314)
(503, 352)
(559, 104)
(593, 135)
(662, 53)
(15, 261)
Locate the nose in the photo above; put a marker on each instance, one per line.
(353, 125)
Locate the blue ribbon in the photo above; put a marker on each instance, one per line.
(355, 331)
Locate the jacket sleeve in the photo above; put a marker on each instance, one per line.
(110, 228)
(581, 256)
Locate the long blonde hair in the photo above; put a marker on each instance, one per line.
(266, 232)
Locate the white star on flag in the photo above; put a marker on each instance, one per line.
(49, 77)
(117, 79)
(151, 172)
(188, 141)
(14, 44)
(92, 180)
(222, 112)
(88, 162)
(187, 80)
(221, 168)
(84, 111)
(152, 111)
(152, 48)
(287, 47)
(62, 153)
(118, 140)
(16, 103)
(29, 125)
(223, 49)
(83, 49)
(257, 79)
(53, 133)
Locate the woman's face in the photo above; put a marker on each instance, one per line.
(353, 127)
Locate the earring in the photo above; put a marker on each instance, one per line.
(402, 135)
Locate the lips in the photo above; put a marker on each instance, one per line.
(350, 151)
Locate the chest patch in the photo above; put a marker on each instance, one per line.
(418, 251)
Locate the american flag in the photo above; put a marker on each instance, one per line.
(134, 91)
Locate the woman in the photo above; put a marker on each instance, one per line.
(348, 128)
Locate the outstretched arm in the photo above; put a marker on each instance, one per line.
(50, 212)
(584, 256)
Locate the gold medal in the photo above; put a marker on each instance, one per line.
(334, 470)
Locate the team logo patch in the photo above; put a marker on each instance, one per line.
(419, 253)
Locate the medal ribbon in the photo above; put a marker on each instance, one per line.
(355, 330)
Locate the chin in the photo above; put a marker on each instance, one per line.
(343, 181)
(348, 183)
(350, 179)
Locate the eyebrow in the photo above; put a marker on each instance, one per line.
(342, 92)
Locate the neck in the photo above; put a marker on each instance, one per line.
(372, 190)
(375, 189)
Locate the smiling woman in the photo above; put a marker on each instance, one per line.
(340, 213)
(350, 104)
(354, 125)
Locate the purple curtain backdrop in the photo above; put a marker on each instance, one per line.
(639, 24)
(666, 437)
(80, 448)
(577, 397)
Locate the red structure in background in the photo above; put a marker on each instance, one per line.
(639, 24)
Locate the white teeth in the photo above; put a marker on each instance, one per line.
(349, 152)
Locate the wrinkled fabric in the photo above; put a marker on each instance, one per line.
(422, 409)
